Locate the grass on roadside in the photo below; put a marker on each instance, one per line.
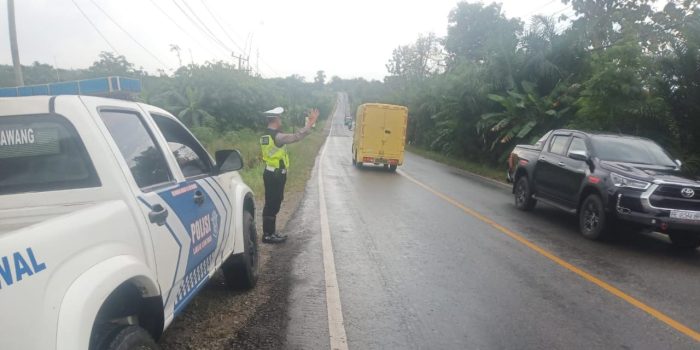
(472, 167)
(302, 155)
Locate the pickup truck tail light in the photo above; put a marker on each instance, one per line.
(368, 160)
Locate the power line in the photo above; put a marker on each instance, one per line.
(129, 35)
(180, 27)
(203, 29)
(219, 23)
(221, 26)
(562, 10)
(95, 28)
(205, 25)
(541, 7)
(211, 34)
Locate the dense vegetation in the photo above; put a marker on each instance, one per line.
(621, 66)
(221, 104)
(212, 99)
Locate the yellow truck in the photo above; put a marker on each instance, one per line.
(380, 135)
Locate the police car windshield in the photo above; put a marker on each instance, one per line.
(42, 153)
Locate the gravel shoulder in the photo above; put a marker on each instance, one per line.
(219, 318)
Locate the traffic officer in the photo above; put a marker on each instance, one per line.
(274, 152)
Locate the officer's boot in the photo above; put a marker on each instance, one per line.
(269, 234)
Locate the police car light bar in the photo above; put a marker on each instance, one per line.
(106, 87)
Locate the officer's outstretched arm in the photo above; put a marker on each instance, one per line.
(285, 139)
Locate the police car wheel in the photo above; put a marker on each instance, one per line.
(241, 271)
(127, 338)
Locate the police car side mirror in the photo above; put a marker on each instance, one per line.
(228, 160)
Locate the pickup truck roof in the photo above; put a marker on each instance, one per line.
(589, 133)
(606, 134)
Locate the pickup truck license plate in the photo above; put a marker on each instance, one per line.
(685, 215)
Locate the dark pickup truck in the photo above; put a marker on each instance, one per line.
(611, 182)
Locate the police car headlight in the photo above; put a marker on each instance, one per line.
(623, 181)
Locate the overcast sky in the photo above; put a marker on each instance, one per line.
(344, 38)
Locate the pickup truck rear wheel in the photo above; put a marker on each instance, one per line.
(685, 240)
(523, 195)
(593, 220)
(242, 271)
(126, 338)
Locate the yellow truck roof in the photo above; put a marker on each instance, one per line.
(383, 106)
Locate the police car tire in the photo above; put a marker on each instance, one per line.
(127, 338)
(241, 271)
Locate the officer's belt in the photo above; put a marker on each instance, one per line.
(273, 169)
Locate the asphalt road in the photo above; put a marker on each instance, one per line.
(433, 266)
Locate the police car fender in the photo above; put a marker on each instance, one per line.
(86, 295)
(241, 192)
(50, 257)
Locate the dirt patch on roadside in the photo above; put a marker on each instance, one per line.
(215, 319)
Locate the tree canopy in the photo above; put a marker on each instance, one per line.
(627, 66)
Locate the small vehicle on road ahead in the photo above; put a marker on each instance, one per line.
(608, 180)
(112, 218)
(380, 135)
(348, 122)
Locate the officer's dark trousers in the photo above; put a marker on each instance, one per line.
(274, 194)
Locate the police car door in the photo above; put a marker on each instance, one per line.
(181, 217)
(200, 203)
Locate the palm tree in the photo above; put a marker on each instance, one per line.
(523, 112)
(189, 107)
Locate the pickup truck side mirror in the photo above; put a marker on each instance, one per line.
(228, 160)
(679, 163)
(579, 155)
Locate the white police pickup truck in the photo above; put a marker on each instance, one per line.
(112, 217)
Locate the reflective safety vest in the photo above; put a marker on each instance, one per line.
(275, 157)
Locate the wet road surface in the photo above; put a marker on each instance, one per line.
(417, 271)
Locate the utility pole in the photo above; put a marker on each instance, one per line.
(19, 80)
(242, 59)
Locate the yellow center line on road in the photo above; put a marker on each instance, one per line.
(561, 262)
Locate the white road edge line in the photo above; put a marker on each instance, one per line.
(336, 327)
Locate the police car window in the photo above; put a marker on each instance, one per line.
(142, 155)
(558, 144)
(191, 157)
(42, 153)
